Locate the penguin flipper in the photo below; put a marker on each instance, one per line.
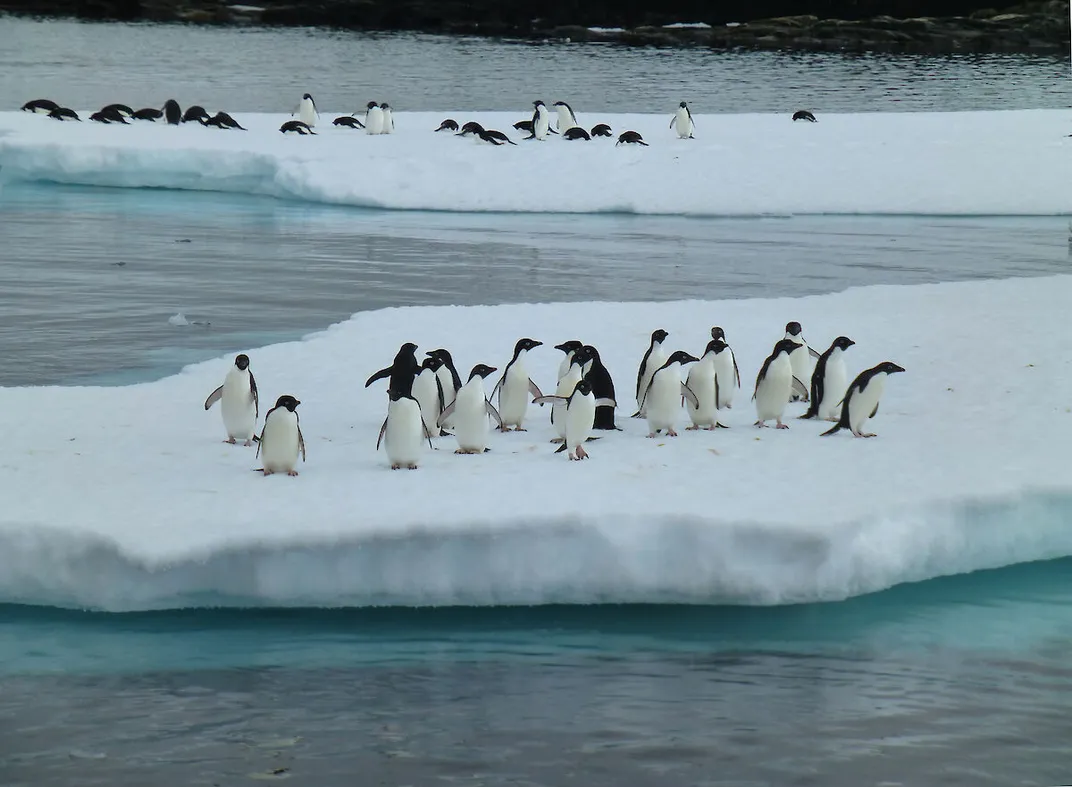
(427, 432)
(439, 390)
(383, 431)
(493, 412)
(690, 395)
(736, 371)
(214, 397)
(831, 431)
(606, 403)
(256, 396)
(448, 411)
(535, 391)
(259, 441)
(561, 448)
(873, 412)
(800, 389)
(381, 374)
(814, 354)
(550, 399)
(301, 444)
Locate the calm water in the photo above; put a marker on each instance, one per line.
(962, 681)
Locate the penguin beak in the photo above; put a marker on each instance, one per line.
(896, 369)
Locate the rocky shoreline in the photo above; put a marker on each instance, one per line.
(1039, 27)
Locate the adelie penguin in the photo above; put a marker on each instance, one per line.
(662, 400)
(349, 121)
(579, 417)
(172, 112)
(469, 413)
(373, 118)
(109, 115)
(566, 118)
(63, 113)
(568, 349)
(448, 125)
(514, 388)
(388, 119)
(803, 114)
(404, 432)
(307, 113)
(683, 120)
(222, 120)
(575, 133)
(654, 358)
(401, 372)
(239, 402)
(195, 114)
(775, 384)
(281, 439)
(630, 138)
(296, 127)
(602, 388)
(541, 121)
(428, 391)
(727, 375)
(122, 109)
(523, 125)
(829, 381)
(40, 106)
(564, 389)
(703, 383)
(801, 357)
(862, 399)
(472, 127)
(495, 137)
(602, 130)
(149, 113)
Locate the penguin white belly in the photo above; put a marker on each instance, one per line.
(374, 121)
(426, 392)
(701, 382)
(307, 113)
(470, 418)
(558, 409)
(388, 122)
(564, 366)
(565, 119)
(656, 359)
(405, 433)
(542, 124)
(864, 402)
(727, 379)
(834, 385)
(446, 379)
(279, 441)
(239, 412)
(773, 393)
(801, 362)
(580, 416)
(683, 124)
(514, 395)
(663, 403)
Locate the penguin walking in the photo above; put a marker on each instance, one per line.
(653, 359)
(403, 432)
(40, 106)
(568, 349)
(307, 113)
(862, 399)
(373, 118)
(662, 400)
(566, 384)
(281, 438)
(239, 402)
(566, 118)
(683, 120)
(580, 413)
(801, 357)
(541, 121)
(402, 371)
(469, 412)
(514, 387)
(602, 389)
(727, 375)
(297, 127)
(388, 119)
(428, 391)
(703, 383)
(775, 384)
(829, 381)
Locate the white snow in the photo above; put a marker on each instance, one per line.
(1000, 163)
(127, 498)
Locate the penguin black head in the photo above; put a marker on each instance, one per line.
(580, 356)
(889, 367)
(683, 105)
(481, 370)
(308, 96)
(659, 336)
(432, 362)
(371, 105)
(409, 348)
(385, 105)
(525, 344)
(571, 346)
(448, 125)
(718, 333)
(715, 346)
(394, 395)
(242, 362)
(584, 387)
(784, 346)
(443, 356)
(591, 352)
(287, 401)
(793, 328)
(843, 343)
(680, 356)
(538, 103)
(472, 127)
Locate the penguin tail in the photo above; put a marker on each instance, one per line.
(636, 414)
(807, 415)
(642, 142)
(831, 431)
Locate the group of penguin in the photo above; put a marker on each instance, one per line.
(121, 113)
(429, 399)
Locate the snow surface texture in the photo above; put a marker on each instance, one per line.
(127, 498)
(973, 163)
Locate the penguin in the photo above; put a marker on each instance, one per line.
(448, 125)
(428, 391)
(373, 118)
(472, 127)
(307, 113)
(347, 120)
(515, 386)
(654, 358)
(630, 138)
(499, 137)
(602, 388)
(662, 399)
(541, 121)
(601, 130)
(803, 114)
(579, 417)
(194, 114)
(568, 348)
(703, 383)
(109, 116)
(122, 109)
(775, 384)
(828, 381)
(403, 432)
(388, 119)
(683, 119)
(296, 126)
(801, 358)
(281, 439)
(469, 412)
(63, 113)
(222, 120)
(576, 132)
(862, 398)
(40, 106)
(566, 117)
(239, 402)
(149, 113)
(727, 375)
(523, 125)
(402, 371)
(172, 112)
(563, 391)
(448, 375)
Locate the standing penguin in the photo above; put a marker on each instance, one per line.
(683, 120)
(373, 118)
(240, 403)
(775, 384)
(862, 398)
(662, 400)
(727, 375)
(566, 118)
(569, 348)
(428, 391)
(469, 413)
(703, 383)
(828, 381)
(281, 439)
(404, 430)
(449, 379)
(514, 387)
(307, 113)
(172, 112)
(602, 389)
(801, 357)
(541, 120)
(579, 417)
(566, 384)
(401, 372)
(653, 359)
(388, 119)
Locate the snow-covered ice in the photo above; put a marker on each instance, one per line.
(127, 498)
(974, 163)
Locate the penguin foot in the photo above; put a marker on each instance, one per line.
(519, 429)
(558, 439)
(292, 473)
(760, 424)
(581, 453)
(780, 425)
(230, 441)
(247, 444)
(692, 428)
(651, 436)
(671, 433)
(396, 467)
(267, 472)
(411, 467)
(709, 428)
(864, 434)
